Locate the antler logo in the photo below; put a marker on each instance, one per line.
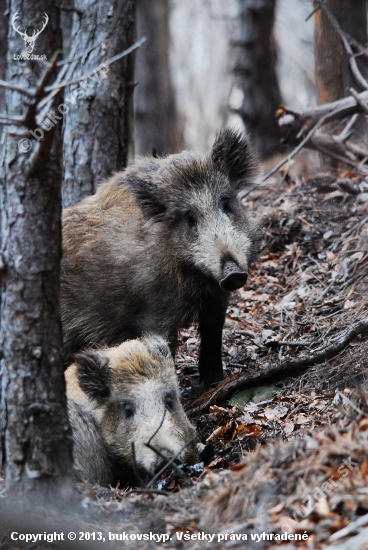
(29, 40)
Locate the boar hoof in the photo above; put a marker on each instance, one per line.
(233, 277)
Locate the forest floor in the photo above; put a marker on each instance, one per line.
(291, 454)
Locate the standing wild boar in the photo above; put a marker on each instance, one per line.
(123, 395)
(159, 246)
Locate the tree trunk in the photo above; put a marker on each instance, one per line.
(3, 48)
(156, 117)
(333, 76)
(35, 429)
(98, 129)
(255, 72)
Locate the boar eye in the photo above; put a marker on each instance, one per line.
(128, 412)
(170, 401)
(191, 220)
(128, 409)
(226, 206)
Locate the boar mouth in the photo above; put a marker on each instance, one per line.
(233, 276)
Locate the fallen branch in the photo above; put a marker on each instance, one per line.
(178, 470)
(294, 125)
(285, 368)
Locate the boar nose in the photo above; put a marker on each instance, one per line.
(232, 276)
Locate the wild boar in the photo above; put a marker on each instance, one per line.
(123, 395)
(91, 458)
(159, 246)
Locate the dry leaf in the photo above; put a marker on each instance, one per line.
(288, 428)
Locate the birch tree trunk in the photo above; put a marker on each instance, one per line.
(37, 443)
(98, 130)
(156, 116)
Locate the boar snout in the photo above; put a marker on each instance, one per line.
(233, 276)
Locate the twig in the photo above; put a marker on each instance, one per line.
(135, 466)
(11, 120)
(31, 92)
(158, 429)
(340, 158)
(313, 12)
(94, 71)
(168, 464)
(360, 102)
(286, 367)
(292, 342)
(352, 229)
(363, 520)
(179, 471)
(343, 396)
(310, 134)
(147, 492)
(347, 131)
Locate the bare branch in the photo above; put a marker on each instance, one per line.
(100, 67)
(285, 368)
(11, 120)
(307, 138)
(168, 463)
(31, 92)
(178, 470)
(359, 100)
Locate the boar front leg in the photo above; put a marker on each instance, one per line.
(211, 322)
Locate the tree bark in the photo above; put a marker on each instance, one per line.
(255, 73)
(333, 76)
(35, 429)
(156, 118)
(98, 132)
(3, 49)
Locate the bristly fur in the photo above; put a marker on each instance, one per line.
(149, 251)
(232, 153)
(143, 403)
(94, 375)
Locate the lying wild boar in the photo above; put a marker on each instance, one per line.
(121, 395)
(159, 246)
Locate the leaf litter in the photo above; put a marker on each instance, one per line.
(290, 454)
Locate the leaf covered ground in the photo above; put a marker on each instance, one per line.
(288, 455)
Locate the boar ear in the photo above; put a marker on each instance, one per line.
(148, 197)
(94, 375)
(158, 347)
(231, 154)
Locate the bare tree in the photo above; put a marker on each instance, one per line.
(98, 131)
(255, 73)
(155, 109)
(37, 444)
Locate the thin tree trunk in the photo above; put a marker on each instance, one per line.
(98, 129)
(35, 429)
(156, 116)
(255, 74)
